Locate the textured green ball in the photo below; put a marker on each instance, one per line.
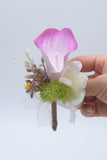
(51, 91)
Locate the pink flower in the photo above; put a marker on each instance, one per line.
(56, 45)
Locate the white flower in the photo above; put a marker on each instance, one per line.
(72, 77)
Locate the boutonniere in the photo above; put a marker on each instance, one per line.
(56, 80)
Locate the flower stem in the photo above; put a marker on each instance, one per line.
(54, 115)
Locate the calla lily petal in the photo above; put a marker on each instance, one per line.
(56, 45)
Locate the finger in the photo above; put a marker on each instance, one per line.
(89, 110)
(101, 108)
(94, 109)
(89, 99)
(88, 62)
(91, 76)
(97, 87)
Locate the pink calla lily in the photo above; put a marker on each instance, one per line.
(56, 45)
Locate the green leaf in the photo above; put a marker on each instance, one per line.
(50, 91)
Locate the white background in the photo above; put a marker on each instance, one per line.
(21, 21)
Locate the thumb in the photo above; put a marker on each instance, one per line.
(97, 87)
(94, 109)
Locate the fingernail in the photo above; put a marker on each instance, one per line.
(88, 110)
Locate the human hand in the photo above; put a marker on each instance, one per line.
(95, 102)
